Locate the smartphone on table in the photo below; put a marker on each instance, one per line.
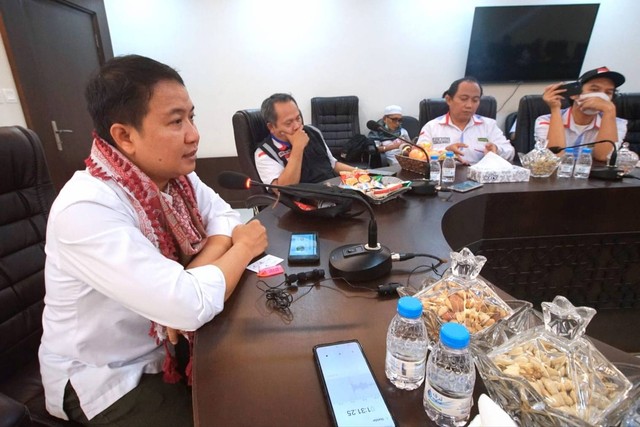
(303, 248)
(349, 386)
(463, 187)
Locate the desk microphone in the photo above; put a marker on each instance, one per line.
(608, 173)
(375, 126)
(355, 262)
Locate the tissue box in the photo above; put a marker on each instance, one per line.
(515, 174)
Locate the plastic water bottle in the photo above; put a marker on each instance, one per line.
(451, 376)
(434, 169)
(406, 345)
(583, 164)
(565, 169)
(448, 168)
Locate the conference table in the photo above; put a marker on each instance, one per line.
(253, 365)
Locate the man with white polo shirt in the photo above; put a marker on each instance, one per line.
(293, 152)
(468, 135)
(591, 117)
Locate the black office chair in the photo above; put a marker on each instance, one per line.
(529, 109)
(628, 107)
(26, 195)
(249, 130)
(337, 118)
(412, 126)
(435, 107)
(508, 124)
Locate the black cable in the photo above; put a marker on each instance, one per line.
(398, 256)
(280, 299)
(510, 96)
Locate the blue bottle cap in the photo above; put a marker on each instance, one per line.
(409, 307)
(587, 150)
(435, 157)
(449, 154)
(454, 335)
(570, 150)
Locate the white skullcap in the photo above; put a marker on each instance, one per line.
(392, 109)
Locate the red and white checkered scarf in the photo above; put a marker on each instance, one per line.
(170, 220)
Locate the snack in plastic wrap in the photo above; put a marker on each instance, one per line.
(461, 297)
(549, 374)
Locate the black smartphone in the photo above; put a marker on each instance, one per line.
(349, 386)
(573, 88)
(463, 187)
(303, 248)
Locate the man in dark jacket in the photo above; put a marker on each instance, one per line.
(293, 152)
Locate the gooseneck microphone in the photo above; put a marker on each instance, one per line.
(355, 262)
(377, 127)
(608, 173)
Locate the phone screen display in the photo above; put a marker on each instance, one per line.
(303, 247)
(352, 392)
(463, 187)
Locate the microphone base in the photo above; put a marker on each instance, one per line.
(607, 174)
(357, 264)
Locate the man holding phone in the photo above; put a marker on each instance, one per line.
(591, 117)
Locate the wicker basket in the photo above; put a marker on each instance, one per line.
(413, 165)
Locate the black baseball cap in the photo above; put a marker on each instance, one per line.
(617, 78)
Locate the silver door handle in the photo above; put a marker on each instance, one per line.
(57, 132)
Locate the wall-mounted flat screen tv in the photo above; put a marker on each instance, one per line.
(529, 43)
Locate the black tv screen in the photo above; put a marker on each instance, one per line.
(529, 43)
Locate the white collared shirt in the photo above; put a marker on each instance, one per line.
(574, 134)
(105, 282)
(480, 130)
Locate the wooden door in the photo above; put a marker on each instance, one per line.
(53, 47)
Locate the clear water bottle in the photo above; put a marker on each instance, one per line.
(450, 378)
(434, 169)
(448, 168)
(565, 169)
(583, 164)
(406, 345)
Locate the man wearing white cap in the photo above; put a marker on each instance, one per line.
(591, 117)
(387, 145)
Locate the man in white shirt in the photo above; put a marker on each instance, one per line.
(293, 153)
(388, 145)
(591, 117)
(139, 253)
(468, 135)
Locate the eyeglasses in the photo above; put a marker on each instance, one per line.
(395, 119)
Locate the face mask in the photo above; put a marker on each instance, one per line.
(592, 95)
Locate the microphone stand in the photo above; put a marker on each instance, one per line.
(608, 173)
(354, 262)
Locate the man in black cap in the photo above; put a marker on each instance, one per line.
(591, 117)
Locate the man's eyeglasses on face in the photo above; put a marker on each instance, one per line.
(395, 119)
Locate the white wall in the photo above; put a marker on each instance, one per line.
(234, 53)
(10, 114)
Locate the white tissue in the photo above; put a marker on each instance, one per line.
(491, 415)
(491, 161)
(584, 96)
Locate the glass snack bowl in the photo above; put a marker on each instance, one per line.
(540, 161)
(461, 297)
(543, 372)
